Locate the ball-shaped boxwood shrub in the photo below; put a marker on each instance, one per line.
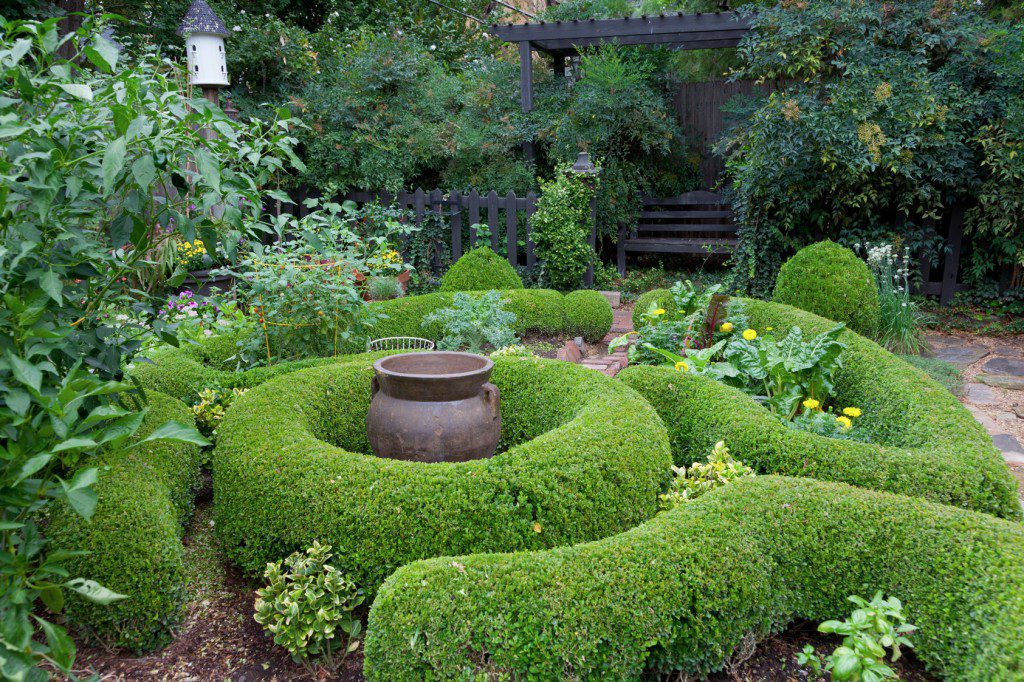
(682, 592)
(926, 444)
(292, 466)
(134, 538)
(831, 281)
(479, 270)
(588, 314)
(664, 299)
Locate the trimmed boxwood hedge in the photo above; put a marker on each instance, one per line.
(478, 270)
(290, 468)
(588, 314)
(684, 590)
(926, 443)
(134, 537)
(829, 280)
(662, 296)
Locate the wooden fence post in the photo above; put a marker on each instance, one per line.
(456, 213)
(531, 208)
(474, 216)
(511, 219)
(951, 270)
(492, 218)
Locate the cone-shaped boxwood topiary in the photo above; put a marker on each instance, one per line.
(831, 281)
(134, 538)
(479, 270)
(291, 466)
(682, 592)
(926, 444)
(588, 314)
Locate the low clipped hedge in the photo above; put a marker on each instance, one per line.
(134, 538)
(831, 281)
(478, 270)
(588, 314)
(683, 591)
(663, 298)
(291, 467)
(926, 443)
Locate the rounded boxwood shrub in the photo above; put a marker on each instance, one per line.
(683, 592)
(292, 466)
(662, 296)
(831, 281)
(926, 444)
(588, 314)
(134, 538)
(478, 270)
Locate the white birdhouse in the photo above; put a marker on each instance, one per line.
(204, 34)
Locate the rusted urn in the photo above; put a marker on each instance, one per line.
(434, 407)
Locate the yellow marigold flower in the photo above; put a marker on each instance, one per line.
(659, 311)
(845, 422)
(726, 327)
(811, 404)
(682, 367)
(749, 335)
(851, 411)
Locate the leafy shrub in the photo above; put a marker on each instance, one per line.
(829, 280)
(211, 406)
(924, 442)
(561, 228)
(681, 593)
(588, 314)
(474, 320)
(480, 270)
(941, 371)
(568, 469)
(871, 629)
(381, 288)
(308, 607)
(689, 484)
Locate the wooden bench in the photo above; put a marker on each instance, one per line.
(694, 223)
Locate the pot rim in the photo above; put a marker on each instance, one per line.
(484, 369)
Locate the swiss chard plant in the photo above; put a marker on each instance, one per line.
(102, 162)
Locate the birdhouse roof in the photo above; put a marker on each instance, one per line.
(200, 18)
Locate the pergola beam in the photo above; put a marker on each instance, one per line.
(595, 31)
(687, 41)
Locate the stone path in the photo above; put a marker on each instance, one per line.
(612, 363)
(994, 373)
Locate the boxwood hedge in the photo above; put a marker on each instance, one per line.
(480, 269)
(926, 444)
(290, 468)
(134, 538)
(588, 314)
(683, 591)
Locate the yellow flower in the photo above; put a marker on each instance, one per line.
(768, 329)
(851, 411)
(811, 404)
(726, 327)
(845, 422)
(631, 333)
(659, 311)
(749, 335)
(682, 367)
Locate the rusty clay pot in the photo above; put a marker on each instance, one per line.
(434, 407)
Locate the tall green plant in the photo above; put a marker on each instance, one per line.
(561, 228)
(102, 162)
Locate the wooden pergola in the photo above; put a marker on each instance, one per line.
(561, 39)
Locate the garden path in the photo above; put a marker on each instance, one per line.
(612, 363)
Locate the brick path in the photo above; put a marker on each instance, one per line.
(613, 363)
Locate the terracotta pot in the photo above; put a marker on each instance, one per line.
(434, 407)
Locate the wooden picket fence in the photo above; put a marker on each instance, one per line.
(506, 217)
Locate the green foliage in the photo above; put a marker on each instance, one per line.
(941, 371)
(213, 402)
(473, 320)
(924, 443)
(568, 469)
(682, 318)
(308, 607)
(871, 629)
(383, 288)
(829, 280)
(900, 318)
(480, 270)
(681, 593)
(132, 543)
(561, 228)
(689, 484)
(88, 141)
(587, 314)
(884, 116)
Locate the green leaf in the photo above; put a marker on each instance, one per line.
(79, 90)
(102, 53)
(25, 372)
(144, 171)
(62, 649)
(93, 591)
(208, 167)
(113, 162)
(32, 465)
(53, 597)
(79, 492)
(75, 444)
(173, 430)
(50, 283)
